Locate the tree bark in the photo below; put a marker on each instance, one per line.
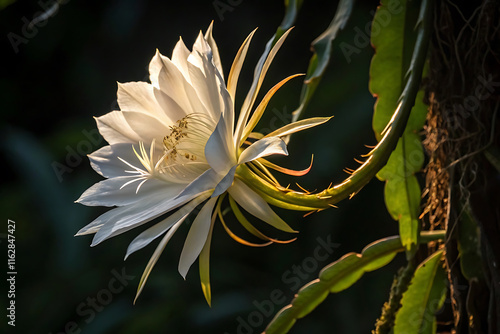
(463, 143)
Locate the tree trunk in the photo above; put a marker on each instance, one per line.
(463, 143)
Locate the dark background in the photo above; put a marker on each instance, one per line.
(64, 72)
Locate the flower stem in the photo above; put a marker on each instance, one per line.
(377, 158)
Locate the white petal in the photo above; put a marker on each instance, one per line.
(131, 127)
(225, 183)
(167, 77)
(197, 237)
(132, 216)
(262, 148)
(147, 128)
(180, 56)
(125, 218)
(215, 51)
(206, 181)
(110, 192)
(202, 72)
(170, 108)
(115, 129)
(105, 160)
(218, 152)
(256, 206)
(146, 237)
(228, 114)
(143, 239)
(114, 215)
(139, 96)
(154, 258)
(155, 67)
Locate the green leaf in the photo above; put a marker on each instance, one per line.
(424, 297)
(389, 67)
(339, 276)
(322, 47)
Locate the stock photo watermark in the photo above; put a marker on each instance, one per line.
(461, 111)
(372, 28)
(11, 273)
(29, 28)
(92, 305)
(279, 118)
(223, 6)
(293, 278)
(76, 154)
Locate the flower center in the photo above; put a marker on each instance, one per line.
(183, 158)
(187, 138)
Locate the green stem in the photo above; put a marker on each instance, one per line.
(378, 157)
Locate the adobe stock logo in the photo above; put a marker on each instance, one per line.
(371, 29)
(29, 28)
(222, 6)
(294, 278)
(74, 155)
(89, 308)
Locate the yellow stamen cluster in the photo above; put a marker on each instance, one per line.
(170, 142)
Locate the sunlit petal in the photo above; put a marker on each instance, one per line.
(143, 239)
(196, 237)
(262, 148)
(218, 151)
(259, 74)
(111, 193)
(256, 206)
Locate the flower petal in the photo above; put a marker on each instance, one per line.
(215, 50)
(147, 127)
(125, 218)
(259, 111)
(228, 114)
(180, 56)
(167, 77)
(139, 96)
(259, 74)
(219, 153)
(225, 183)
(196, 237)
(202, 72)
(131, 127)
(232, 79)
(115, 129)
(256, 206)
(154, 258)
(206, 181)
(298, 126)
(170, 108)
(110, 192)
(105, 160)
(143, 239)
(205, 267)
(262, 148)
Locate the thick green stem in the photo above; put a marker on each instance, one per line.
(377, 158)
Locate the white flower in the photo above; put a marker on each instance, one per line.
(173, 145)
